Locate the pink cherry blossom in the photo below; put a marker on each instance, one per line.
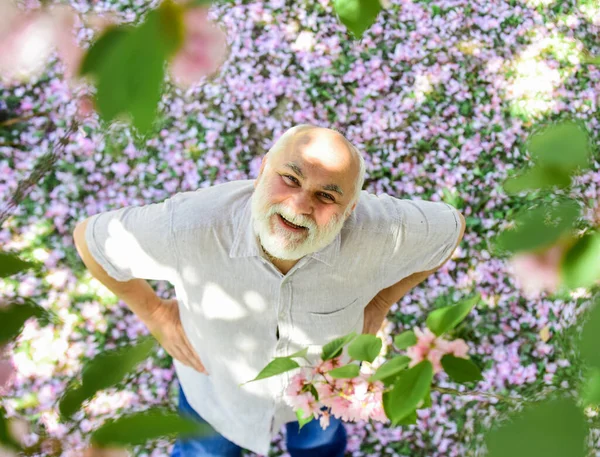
(432, 348)
(204, 48)
(27, 38)
(324, 420)
(71, 54)
(26, 42)
(458, 348)
(538, 272)
(6, 369)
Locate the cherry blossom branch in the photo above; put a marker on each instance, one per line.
(16, 120)
(44, 165)
(446, 390)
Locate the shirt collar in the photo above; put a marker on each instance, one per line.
(245, 243)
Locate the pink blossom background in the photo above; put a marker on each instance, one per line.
(437, 95)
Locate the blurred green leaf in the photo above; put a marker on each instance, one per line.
(194, 3)
(554, 428)
(302, 421)
(461, 370)
(590, 337)
(347, 371)
(138, 428)
(405, 340)
(11, 264)
(365, 348)
(335, 347)
(357, 15)
(408, 391)
(129, 65)
(410, 419)
(580, 266)
(539, 227)
(105, 370)
(300, 354)
(561, 146)
(277, 366)
(14, 316)
(98, 53)
(6, 438)
(427, 399)
(390, 369)
(538, 177)
(445, 319)
(591, 388)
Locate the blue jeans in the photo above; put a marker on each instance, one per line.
(312, 441)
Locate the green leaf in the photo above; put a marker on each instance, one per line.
(347, 371)
(138, 428)
(538, 177)
(390, 369)
(539, 227)
(562, 146)
(194, 3)
(300, 354)
(14, 316)
(277, 366)
(302, 421)
(591, 388)
(554, 428)
(461, 370)
(410, 419)
(580, 266)
(96, 56)
(129, 65)
(171, 25)
(409, 389)
(11, 264)
(357, 15)
(104, 371)
(590, 337)
(405, 340)
(445, 319)
(335, 347)
(427, 399)
(365, 347)
(6, 438)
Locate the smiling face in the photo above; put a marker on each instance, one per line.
(304, 193)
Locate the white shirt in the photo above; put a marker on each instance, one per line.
(232, 300)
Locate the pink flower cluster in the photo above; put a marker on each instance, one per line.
(350, 399)
(433, 348)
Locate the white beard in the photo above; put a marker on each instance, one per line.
(282, 243)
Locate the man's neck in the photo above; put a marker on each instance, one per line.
(282, 265)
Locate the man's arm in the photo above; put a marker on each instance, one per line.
(136, 293)
(379, 306)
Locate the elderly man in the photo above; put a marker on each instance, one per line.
(263, 268)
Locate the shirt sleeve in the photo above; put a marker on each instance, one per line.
(134, 242)
(425, 234)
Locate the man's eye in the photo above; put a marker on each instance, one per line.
(328, 197)
(291, 178)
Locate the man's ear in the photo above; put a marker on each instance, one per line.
(260, 172)
(351, 210)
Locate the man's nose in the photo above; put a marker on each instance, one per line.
(303, 204)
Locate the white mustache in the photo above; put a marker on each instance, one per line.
(296, 220)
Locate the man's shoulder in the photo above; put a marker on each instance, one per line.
(373, 210)
(374, 213)
(213, 205)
